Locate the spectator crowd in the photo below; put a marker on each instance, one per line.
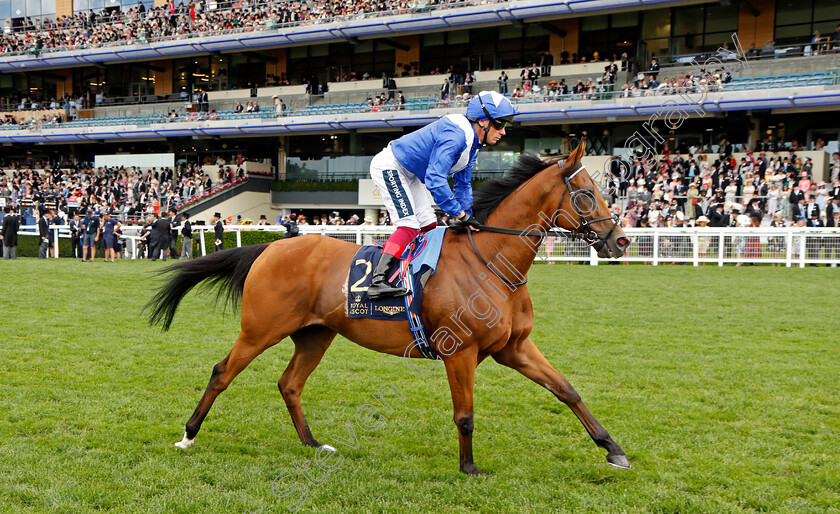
(128, 193)
(775, 188)
(139, 24)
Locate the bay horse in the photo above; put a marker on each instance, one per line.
(297, 288)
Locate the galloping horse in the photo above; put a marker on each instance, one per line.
(298, 288)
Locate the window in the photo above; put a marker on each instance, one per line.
(39, 9)
(84, 6)
(19, 9)
(797, 20)
(594, 23)
(608, 35)
(720, 18)
(790, 12)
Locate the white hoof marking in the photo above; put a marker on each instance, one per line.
(185, 442)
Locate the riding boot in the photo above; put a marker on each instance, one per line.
(379, 286)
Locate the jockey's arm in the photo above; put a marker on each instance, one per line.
(463, 189)
(443, 157)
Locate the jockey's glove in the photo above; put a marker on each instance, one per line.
(461, 224)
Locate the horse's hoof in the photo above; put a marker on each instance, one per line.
(472, 469)
(184, 443)
(619, 461)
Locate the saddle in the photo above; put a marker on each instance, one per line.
(416, 265)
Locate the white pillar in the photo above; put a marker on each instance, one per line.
(695, 249)
(203, 246)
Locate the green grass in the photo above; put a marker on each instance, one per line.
(721, 384)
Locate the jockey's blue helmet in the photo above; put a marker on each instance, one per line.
(490, 105)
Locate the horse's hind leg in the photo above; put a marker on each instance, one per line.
(245, 350)
(310, 345)
(526, 358)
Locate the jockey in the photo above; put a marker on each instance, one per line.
(425, 159)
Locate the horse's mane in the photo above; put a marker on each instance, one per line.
(494, 191)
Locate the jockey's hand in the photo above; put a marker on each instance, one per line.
(464, 222)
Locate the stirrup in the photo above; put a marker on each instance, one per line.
(383, 289)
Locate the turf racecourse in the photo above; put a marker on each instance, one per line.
(721, 384)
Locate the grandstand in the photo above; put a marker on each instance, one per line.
(79, 80)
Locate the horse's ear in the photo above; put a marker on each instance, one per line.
(578, 152)
(575, 156)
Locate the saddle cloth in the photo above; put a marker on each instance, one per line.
(417, 264)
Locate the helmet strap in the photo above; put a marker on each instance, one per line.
(486, 130)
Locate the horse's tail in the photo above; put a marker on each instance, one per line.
(225, 270)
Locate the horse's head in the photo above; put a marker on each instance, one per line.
(583, 210)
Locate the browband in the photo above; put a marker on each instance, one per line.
(582, 167)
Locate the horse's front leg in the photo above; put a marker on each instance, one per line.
(526, 358)
(460, 369)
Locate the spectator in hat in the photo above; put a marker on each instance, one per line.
(741, 221)
(813, 247)
(218, 232)
(100, 244)
(279, 106)
(812, 207)
(263, 220)
(8, 233)
(754, 242)
(75, 237)
(117, 245)
(776, 245)
(796, 194)
(703, 241)
(186, 235)
(161, 229)
(832, 207)
(814, 220)
(718, 218)
(173, 234)
(43, 233)
(144, 248)
(654, 67)
(800, 210)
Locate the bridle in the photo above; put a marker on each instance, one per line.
(588, 233)
(584, 232)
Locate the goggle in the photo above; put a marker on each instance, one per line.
(499, 123)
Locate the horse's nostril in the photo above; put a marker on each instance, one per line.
(623, 242)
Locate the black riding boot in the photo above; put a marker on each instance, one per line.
(379, 286)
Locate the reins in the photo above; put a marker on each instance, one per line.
(588, 235)
(513, 232)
